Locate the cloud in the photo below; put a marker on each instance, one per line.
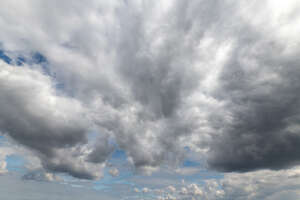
(145, 190)
(171, 188)
(262, 185)
(258, 84)
(3, 167)
(101, 150)
(114, 172)
(3, 163)
(151, 78)
(34, 115)
(188, 171)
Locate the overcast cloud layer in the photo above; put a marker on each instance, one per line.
(152, 78)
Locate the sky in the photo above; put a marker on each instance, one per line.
(144, 99)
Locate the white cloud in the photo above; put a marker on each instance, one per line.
(3, 167)
(145, 190)
(171, 188)
(114, 172)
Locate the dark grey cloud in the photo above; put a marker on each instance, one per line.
(259, 84)
(34, 116)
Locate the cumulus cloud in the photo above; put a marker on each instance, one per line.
(3, 164)
(3, 167)
(261, 184)
(258, 85)
(145, 190)
(264, 184)
(114, 172)
(219, 77)
(171, 188)
(34, 115)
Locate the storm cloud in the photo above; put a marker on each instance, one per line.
(152, 78)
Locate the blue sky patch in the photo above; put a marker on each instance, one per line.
(4, 57)
(15, 163)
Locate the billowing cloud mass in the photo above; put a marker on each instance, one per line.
(34, 115)
(152, 78)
